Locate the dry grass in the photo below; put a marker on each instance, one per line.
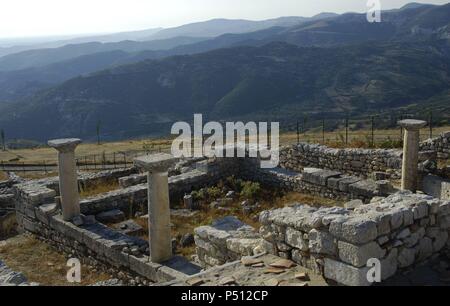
(42, 264)
(206, 215)
(8, 225)
(3, 176)
(49, 155)
(356, 139)
(96, 189)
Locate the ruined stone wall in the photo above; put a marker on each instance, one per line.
(400, 230)
(440, 144)
(360, 162)
(90, 241)
(225, 240)
(324, 183)
(207, 173)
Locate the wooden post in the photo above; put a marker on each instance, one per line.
(323, 131)
(346, 130)
(298, 132)
(372, 119)
(430, 123)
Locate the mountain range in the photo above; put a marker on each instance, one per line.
(328, 65)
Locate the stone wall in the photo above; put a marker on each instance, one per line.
(440, 144)
(206, 173)
(225, 240)
(91, 241)
(400, 230)
(324, 183)
(360, 162)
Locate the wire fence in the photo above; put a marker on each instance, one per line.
(372, 131)
(94, 162)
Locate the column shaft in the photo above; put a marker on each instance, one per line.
(410, 159)
(68, 185)
(159, 217)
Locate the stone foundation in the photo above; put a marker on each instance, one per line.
(401, 230)
(225, 240)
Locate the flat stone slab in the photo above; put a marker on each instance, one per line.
(129, 227)
(62, 143)
(247, 275)
(160, 162)
(319, 177)
(111, 216)
(366, 188)
(412, 123)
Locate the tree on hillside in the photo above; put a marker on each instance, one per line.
(2, 136)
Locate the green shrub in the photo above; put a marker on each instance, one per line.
(250, 190)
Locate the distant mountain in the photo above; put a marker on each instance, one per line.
(43, 57)
(277, 80)
(327, 66)
(217, 27)
(153, 39)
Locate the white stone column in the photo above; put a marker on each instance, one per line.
(410, 152)
(68, 180)
(160, 238)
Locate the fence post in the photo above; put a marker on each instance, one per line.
(85, 163)
(114, 159)
(23, 167)
(95, 163)
(401, 128)
(298, 132)
(304, 125)
(125, 160)
(430, 123)
(372, 119)
(45, 168)
(346, 130)
(323, 131)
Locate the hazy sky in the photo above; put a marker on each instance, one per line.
(24, 18)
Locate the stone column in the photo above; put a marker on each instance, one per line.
(410, 152)
(68, 180)
(160, 238)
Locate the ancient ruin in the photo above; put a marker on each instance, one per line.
(400, 226)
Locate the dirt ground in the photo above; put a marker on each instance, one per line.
(42, 264)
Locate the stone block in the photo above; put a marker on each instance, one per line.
(365, 188)
(345, 274)
(295, 239)
(406, 257)
(358, 230)
(359, 255)
(345, 182)
(389, 265)
(322, 243)
(144, 267)
(111, 216)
